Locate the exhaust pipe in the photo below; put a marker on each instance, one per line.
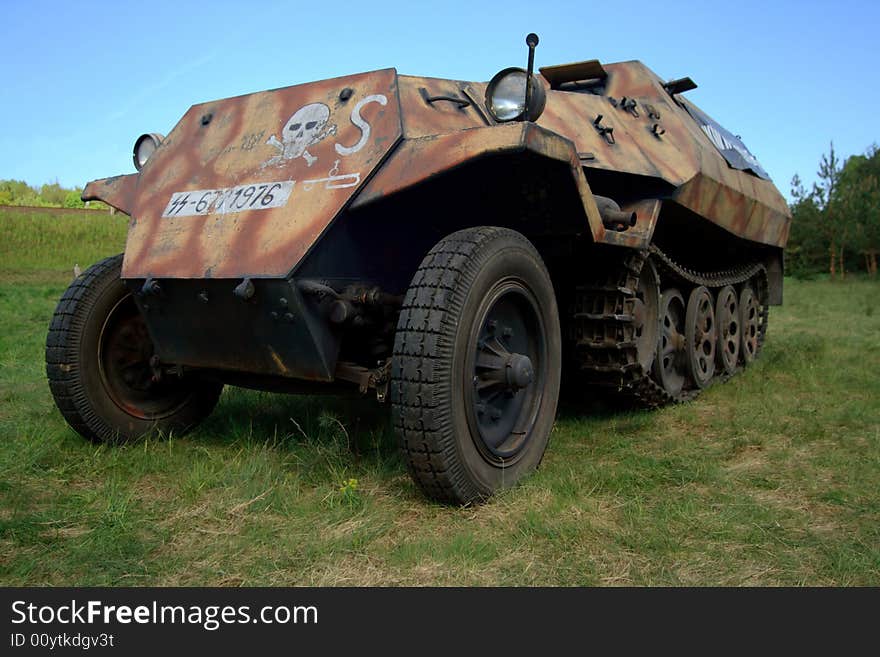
(613, 218)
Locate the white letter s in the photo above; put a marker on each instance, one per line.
(360, 123)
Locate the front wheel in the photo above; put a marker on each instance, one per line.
(100, 366)
(475, 370)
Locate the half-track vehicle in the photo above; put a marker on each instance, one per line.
(455, 248)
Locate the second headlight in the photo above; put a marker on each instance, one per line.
(506, 96)
(144, 147)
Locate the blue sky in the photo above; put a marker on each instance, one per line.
(83, 79)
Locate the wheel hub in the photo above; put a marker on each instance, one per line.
(128, 367)
(519, 372)
(505, 377)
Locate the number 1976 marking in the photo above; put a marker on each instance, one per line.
(258, 196)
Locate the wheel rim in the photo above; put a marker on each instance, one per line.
(507, 355)
(750, 322)
(669, 367)
(646, 314)
(125, 351)
(701, 336)
(727, 318)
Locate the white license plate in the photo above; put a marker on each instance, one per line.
(257, 196)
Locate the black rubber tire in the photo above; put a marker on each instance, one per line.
(77, 379)
(430, 413)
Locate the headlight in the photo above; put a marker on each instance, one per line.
(144, 147)
(506, 96)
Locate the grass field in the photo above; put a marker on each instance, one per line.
(770, 479)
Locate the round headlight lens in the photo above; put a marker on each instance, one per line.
(506, 96)
(144, 148)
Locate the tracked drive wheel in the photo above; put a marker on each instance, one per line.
(700, 336)
(100, 366)
(669, 368)
(646, 312)
(729, 333)
(750, 320)
(475, 370)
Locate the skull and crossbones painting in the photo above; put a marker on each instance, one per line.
(305, 128)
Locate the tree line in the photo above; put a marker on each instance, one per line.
(50, 195)
(836, 224)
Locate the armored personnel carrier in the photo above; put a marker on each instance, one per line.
(452, 247)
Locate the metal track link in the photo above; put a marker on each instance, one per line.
(734, 276)
(603, 329)
(603, 326)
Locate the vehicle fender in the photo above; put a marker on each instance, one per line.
(118, 192)
(418, 160)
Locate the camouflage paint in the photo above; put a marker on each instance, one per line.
(419, 128)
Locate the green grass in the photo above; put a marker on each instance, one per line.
(770, 479)
(43, 244)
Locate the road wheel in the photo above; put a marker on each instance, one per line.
(475, 371)
(669, 368)
(750, 320)
(701, 336)
(98, 361)
(646, 314)
(729, 339)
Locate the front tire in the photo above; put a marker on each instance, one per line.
(475, 370)
(98, 355)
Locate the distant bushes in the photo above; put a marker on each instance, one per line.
(56, 239)
(50, 195)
